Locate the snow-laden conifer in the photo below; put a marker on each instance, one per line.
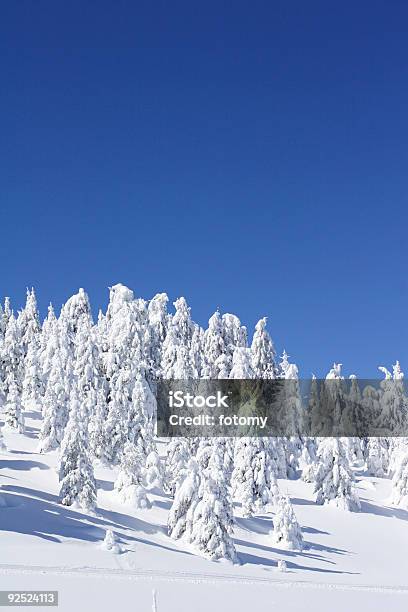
(76, 474)
(252, 477)
(399, 493)
(334, 480)
(377, 457)
(393, 402)
(176, 461)
(129, 484)
(33, 385)
(263, 352)
(28, 321)
(201, 513)
(13, 413)
(286, 529)
(110, 542)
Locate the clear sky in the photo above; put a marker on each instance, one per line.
(251, 156)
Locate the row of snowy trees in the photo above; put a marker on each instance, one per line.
(94, 384)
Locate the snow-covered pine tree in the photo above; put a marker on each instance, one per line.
(399, 493)
(181, 515)
(176, 357)
(12, 358)
(33, 386)
(252, 478)
(241, 364)
(354, 422)
(213, 517)
(213, 346)
(153, 471)
(393, 402)
(76, 473)
(87, 361)
(286, 529)
(76, 309)
(129, 483)
(201, 512)
(110, 542)
(13, 414)
(97, 425)
(196, 352)
(59, 376)
(175, 465)
(263, 353)
(291, 415)
(2, 443)
(334, 480)
(158, 320)
(2, 324)
(116, 427)
(28, 322)
(376, 455)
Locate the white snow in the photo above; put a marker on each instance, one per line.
(354, 561)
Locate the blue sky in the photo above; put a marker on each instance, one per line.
(251, 156)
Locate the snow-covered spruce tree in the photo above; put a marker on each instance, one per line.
(33, 387)
(158, 320)
(153, 471)
(263, 352)
(75, 471)
(371, 403)
(13, 414)
(241, 364)
(376, 456)
(196, 351)
(57, 394)
(182, 323)
(277, 455)
(141, 414)
(2, 324)
(213, 347)
(87, 361)
(393, 402)
(28, 322)
(175, 465)
(291, 415)
(2, 443)
(110, 542)
(97, 425)
(12, 358)
(116, 428)
(201, 513)
(399, 493)
(181, 515)
(5, 315)
(213, 517)
(48, 345)
(307, 459)
(121, 354)
(252, 477)
(76, 309)
(334, 480)
(129, 483)
(234, 334)
(286, 529)
(354, 421)
(177, 361)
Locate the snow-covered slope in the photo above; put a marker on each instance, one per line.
(354, 561)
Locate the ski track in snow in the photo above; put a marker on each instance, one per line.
(194, 578)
